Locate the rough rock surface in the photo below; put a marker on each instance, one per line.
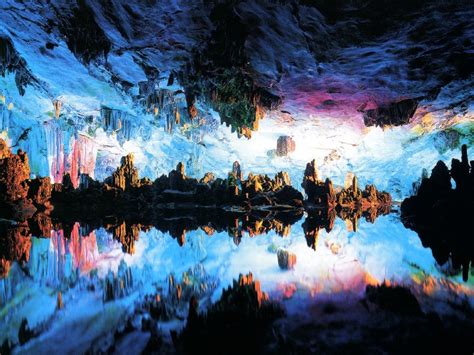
(285, 146)
(14, 171)
(394, 114)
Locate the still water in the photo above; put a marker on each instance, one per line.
(77, 290)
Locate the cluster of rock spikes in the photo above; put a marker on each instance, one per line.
(125, 190)
(124, 204)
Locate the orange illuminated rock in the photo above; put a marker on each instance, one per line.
(281, 179)
(317, 191)
(351, 198)
(57, 104)
(4, 267)
(126, 175)
(127, 235)
(4, 150)
(14, 171)
(59, 301)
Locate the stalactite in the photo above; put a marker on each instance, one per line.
(68, 153)
(117, 286)
(5, 114)
(118, 122)
(56, 150)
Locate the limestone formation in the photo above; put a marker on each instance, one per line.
(124, 204)
(286, 259)
(208, 178)
(14, 171)
(57, 104)
(317, 191)
(40, 191)
(394, 114)
(282, 179)
(285, 146)
(4, 149)
(126, 176)
(441, 214)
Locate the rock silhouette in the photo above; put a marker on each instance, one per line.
(394, 114)
(242, 310)
(441, 214)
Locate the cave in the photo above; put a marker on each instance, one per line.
(236, 176)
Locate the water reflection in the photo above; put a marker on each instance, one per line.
(109, 270)
(78, 237)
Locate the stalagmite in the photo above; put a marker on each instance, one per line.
(355, 188)
(285, 146)
(57, 107)
(59, 302)
(177, 117)
(348, 180)
(282, 179)
(126, 175)
(237, 171)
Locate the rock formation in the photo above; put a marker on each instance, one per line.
(322, 194)
(394, 114)
(126, 176)
(124, 204)
(243, 309)
(285, 146)
(124, 191)
(286, 259)
(442, 215)
(14, 171)
(15, 244)
(40, 190)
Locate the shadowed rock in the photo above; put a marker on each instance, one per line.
(395, 114)
(442, 215)
(243, 311)
(396, 299)
(286, 259)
